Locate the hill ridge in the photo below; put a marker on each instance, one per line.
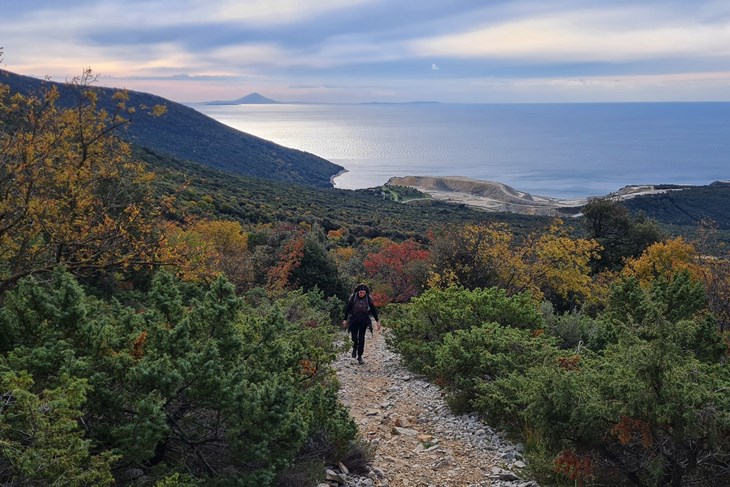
(188, 134)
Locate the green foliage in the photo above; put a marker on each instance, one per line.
(363, 212)
(317, 269)
(467, 359)
(419, 327)
(41, 441)
(668, 311)
(574, 330)
(686, 207)
(621, 234)
(209, 388)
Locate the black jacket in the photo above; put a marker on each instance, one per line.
(351, 302)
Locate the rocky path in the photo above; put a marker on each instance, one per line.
(419, 442)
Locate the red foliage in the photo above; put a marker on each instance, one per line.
(627, 429)
(395, 272)
(569, 363)
(577, 468)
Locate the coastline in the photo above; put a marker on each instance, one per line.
(335, 176)
(498, 197)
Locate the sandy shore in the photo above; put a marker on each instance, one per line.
(495, 196)
(487, 195)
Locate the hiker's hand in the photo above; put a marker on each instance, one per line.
(344, 324)
(377, 325)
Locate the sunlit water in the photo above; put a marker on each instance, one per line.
(562, 150)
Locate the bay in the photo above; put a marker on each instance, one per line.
(558, 150)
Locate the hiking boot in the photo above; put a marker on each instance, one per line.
(354, 352)
(360, 360)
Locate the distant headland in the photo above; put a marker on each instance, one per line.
(495, 196)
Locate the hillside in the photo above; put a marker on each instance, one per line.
(687, 205)
(187, 134)
(366, 213)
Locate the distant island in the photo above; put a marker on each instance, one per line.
(250, 99)
(259, 99)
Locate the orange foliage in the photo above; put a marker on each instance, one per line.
(336, 234)
(577, 468)
(308, 367)
(138, 346)
(627, 429)
(290, 258)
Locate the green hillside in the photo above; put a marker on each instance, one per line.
(366, 213)
(688, 206)
(187, 134)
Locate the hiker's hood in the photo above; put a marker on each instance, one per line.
(362, 287)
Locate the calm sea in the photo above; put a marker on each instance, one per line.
(561, 150)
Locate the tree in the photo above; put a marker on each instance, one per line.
(620, 234)
(664, 260)
(714, 264)
(473, 256)
(205, 249)
(398, 271)
(549, 263)
(70, 192)
(41, 440)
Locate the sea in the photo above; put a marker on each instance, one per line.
(557, 150)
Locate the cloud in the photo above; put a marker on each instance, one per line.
(605, 35)
(434, 67)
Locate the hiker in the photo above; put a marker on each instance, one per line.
(357, 315)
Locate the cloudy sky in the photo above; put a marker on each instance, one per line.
(380, 50)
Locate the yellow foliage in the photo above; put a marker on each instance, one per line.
(208, 248)
(664, 259)
(70, 192)
(487, 255)
(344, 253)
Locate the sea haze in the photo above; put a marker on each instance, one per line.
(560, 150)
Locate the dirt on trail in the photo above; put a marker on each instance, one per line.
(418, 441)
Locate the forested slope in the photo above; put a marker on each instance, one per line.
(187, 134)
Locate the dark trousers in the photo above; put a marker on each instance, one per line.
(358, 327)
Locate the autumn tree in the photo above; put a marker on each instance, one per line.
(548, 264)
(70, 191)
(204, 249)
(473, 256)
(397, 272)
(664, 260)
(555, 266)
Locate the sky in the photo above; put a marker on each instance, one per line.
(350, 51)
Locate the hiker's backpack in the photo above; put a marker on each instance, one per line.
(361, 306)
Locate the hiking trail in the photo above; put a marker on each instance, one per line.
(418, 441)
